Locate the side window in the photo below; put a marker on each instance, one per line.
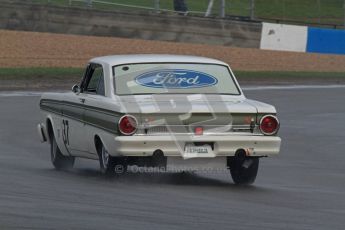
(96, 81)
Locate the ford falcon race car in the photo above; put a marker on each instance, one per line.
(150, 110)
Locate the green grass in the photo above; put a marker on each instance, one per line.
(287, 74)
(63, 73)
(64, 78)
(305, 11)
(36, 73)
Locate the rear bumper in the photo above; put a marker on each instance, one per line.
(171, 145)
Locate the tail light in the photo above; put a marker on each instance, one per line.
(269, 125)
(128, 125)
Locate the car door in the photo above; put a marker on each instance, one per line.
(73, 120)
(78, 131)
(93, 93)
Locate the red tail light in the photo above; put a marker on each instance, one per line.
(128, 125)
(198, 130)
(269, 125)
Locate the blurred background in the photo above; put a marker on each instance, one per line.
(45, 43)
(315, 12)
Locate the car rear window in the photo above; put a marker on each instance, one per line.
(173, 78)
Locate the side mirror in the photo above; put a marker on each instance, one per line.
(76, 89)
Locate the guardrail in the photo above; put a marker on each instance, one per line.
(156, 6)
(324, 13)
(206, 8)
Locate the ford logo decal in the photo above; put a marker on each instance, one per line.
(175, 79)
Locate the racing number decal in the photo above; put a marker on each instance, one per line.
(65, 132)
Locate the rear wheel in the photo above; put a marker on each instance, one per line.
(243, 170)
(60, 161)
(110, 165)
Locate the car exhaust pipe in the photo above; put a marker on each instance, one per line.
(158, 153)
(158, 159)
(241, 154)
(240, 158)
(243, 157)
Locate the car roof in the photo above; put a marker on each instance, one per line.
(153, 58)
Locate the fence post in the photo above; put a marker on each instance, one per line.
(88, 3)
(319, 10)
(252, 9)
(209, 8)
(156, 5)
(222, 9)
(344, 13)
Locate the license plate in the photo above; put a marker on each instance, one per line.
(191, 151)
(197, 149)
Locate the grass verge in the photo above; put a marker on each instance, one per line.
(35, 73)
(287, 74)
(42, 78)
(62, 73)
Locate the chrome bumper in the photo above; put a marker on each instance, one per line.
(223, 145)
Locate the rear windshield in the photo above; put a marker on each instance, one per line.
(173, 78)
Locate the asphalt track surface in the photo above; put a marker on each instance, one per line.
(303, 188)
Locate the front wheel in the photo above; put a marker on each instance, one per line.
(60, 161)
(243, 170)
(110, 165)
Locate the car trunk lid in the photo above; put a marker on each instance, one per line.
(158, 114)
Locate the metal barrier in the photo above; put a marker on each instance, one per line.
(329, 13)
(206, 8)
(155, 7)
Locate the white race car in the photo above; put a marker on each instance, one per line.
(157, 111)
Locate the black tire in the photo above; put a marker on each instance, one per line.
(110, 165)
(243, 170)
(60, 161)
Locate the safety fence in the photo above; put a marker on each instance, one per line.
(330, 13)
(272, 36)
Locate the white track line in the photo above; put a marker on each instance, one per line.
(25, 93)
(20, 94)
(247, 88)
(291, 87)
